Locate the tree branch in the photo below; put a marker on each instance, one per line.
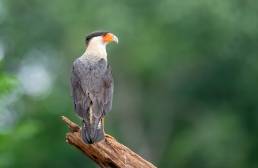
(106, 153)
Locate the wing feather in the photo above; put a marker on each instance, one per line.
(80, 97)
(109, 87)
(92, 87)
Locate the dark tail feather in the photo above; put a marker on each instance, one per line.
(93, 134)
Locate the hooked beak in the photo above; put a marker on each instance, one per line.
(109, 37)
(115, 39)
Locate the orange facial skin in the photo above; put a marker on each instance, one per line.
(108, 37)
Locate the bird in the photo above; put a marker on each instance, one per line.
(92, 85)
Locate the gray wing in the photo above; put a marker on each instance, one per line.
(109, 86)
(92, 87)
(80, 98)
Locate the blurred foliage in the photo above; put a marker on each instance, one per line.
(185, 80)
(7, 83)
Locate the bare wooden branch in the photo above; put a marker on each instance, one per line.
(106, 153)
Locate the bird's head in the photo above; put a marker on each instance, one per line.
(101, 38)
(96, 43)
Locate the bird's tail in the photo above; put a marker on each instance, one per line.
(92, 133)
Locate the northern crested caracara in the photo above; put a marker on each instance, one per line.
(92, 86)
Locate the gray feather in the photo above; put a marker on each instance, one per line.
(92, 90)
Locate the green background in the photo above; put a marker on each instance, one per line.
(186, 80)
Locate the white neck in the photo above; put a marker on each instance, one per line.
(97, 48)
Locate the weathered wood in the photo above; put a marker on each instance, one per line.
(106, 153)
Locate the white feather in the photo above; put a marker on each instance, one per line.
(97, 47)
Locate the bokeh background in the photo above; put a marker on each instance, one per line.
(186, 80)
